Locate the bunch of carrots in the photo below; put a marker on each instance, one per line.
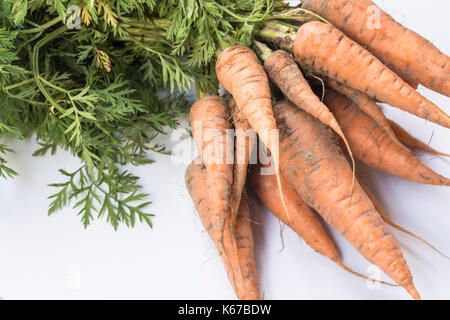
(314, 140)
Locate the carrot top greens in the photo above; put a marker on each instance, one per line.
(86, 76)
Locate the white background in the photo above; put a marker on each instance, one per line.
(55, 257)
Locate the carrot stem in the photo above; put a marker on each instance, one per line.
(262, 49)
(42, 27)
(298, 14)
(280, 34)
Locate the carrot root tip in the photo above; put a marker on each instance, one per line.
(413, 292)
(344, 267)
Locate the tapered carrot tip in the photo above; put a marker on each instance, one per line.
(413, 292)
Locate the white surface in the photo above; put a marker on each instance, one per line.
(54, 257)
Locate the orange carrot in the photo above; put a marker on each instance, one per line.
(404, 51)
(314, 164)
(372, 145)
(245, 286)
(367, 105)
(245, 141)
(411, 142)
(305, 222)
(209, 119)
(412, 84)
(240, 72)
(284, 72)
(323, 49)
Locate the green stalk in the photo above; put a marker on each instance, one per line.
(145, 32)
(279, 34)
(27, 41)
(244, 18)
(262, 50)
(30, 101)
(299, 15)
(150, 24)
(18, 84)
(35, 66)
(145, 36)
(51, 85)
(42, 27)
(142, 39)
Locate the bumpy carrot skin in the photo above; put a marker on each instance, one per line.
(284, 72)
(241, 267)
(372, 145)
(209, 119)
(240, 72)
(303, 220)
(412, 142)
(325, 50)
(314, 164)
(404, 51)
(367, 105)
(413, 85)
(245, 142)
(247, 282)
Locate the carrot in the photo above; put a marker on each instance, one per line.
(404, 51)
(209, 119)
(371, 144)
(367, 105)
(305, 222)
(284, 72)
(389, 221)
(413, 85)
(314, 164)
(245, 286)
(411, 142)
(323, 49)
(245, 142)
(240, 72)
